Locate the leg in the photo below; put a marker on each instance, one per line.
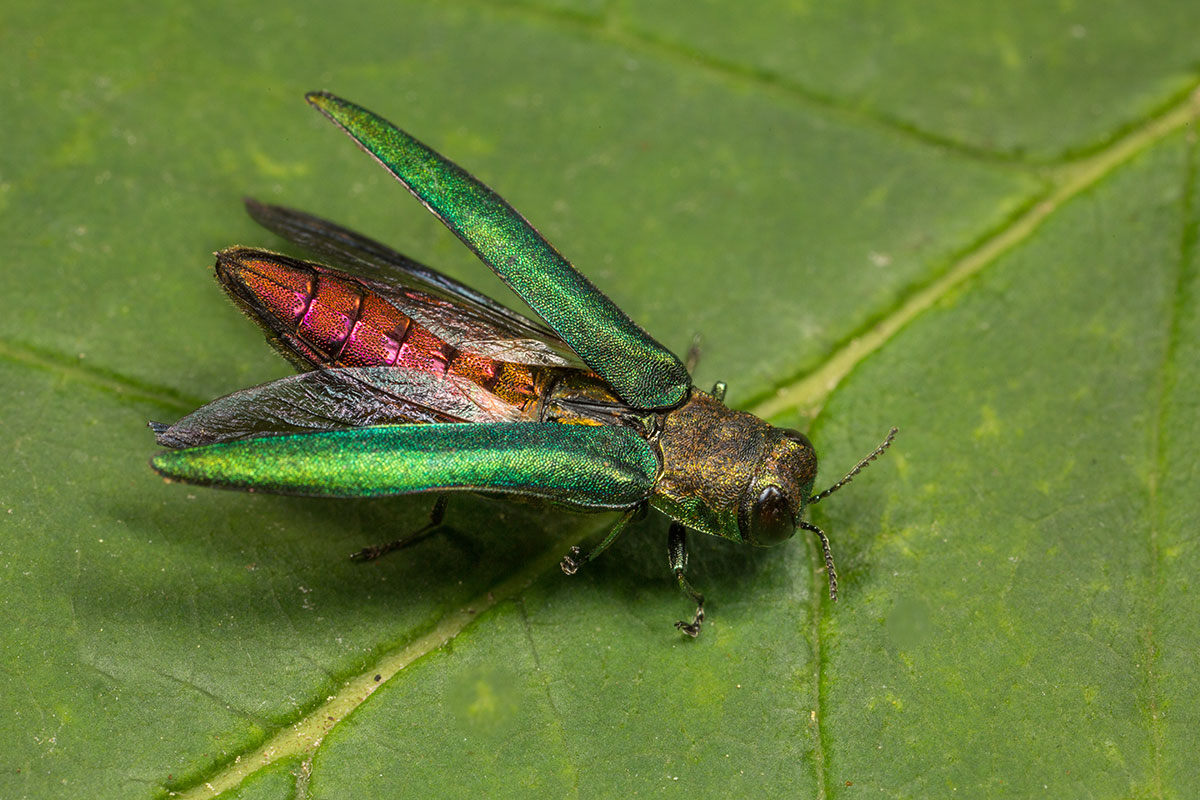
(435, 522)
(808, 526)
(693, 358)
(693, 355)
(677, 553)
(573, 560)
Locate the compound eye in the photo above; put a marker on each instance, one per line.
(771, 519)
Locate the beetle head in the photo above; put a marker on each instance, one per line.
(772, 508)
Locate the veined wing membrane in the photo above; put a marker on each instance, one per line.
(455, 312)
(369, 258)
(335, 399)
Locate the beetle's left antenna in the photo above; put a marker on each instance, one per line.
(859, 467)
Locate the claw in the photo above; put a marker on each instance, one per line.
(692, 628)
(367, 554)
(571, 561)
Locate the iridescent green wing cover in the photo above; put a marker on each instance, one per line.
(585, 466)
(642, 372)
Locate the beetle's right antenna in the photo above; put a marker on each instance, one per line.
(859, 467)
(829, 570)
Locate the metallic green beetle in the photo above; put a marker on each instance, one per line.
(414, 382)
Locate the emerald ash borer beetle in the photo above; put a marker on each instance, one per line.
(413, 382)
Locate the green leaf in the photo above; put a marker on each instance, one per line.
(979, 225)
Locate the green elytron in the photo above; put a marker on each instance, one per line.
(413, 382)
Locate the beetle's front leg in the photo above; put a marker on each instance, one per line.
(677, 553)
(575, 559)
(436, 514)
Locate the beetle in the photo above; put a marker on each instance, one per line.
(411, 382)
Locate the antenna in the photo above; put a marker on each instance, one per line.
(829, 570)
(859, 467)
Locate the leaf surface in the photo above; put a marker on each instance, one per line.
(979, 226)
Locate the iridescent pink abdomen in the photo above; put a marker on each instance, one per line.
(334, 320)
